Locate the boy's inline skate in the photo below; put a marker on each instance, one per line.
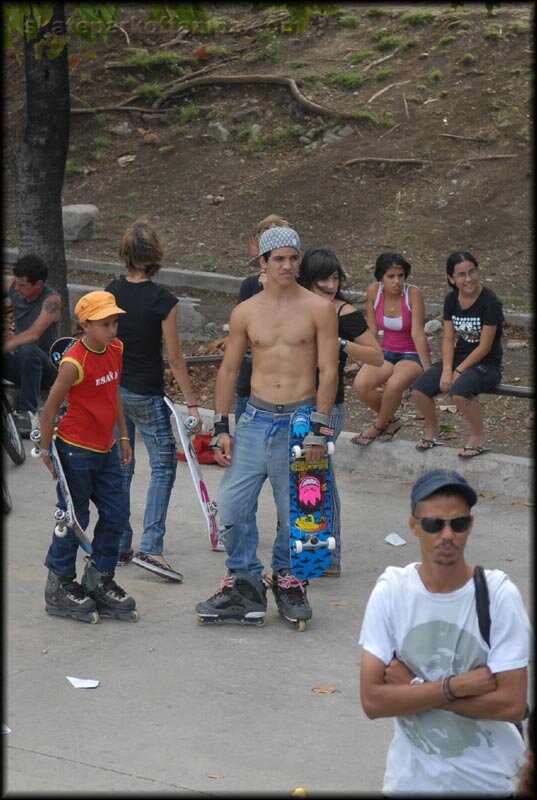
(111, 600)
(64, 597)
(290, 596)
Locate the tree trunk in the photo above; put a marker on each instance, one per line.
(38, 161)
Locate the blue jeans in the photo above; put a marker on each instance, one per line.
(96, 477)
(260, 451)
(240, 406)
(151, 416)
(29, 367)
(337, 422)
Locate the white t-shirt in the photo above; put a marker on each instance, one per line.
(437, 751)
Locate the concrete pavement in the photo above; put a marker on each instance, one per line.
(190, 710)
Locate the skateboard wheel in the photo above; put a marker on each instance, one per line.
(301, 625)
(298, 546)
(94, 618)
(191, 422)
(35, 435)
(331, 543)
(60, 531)
(35, 452)
(296, 451)
(134, 617)
(330, 448)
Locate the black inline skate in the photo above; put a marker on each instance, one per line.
(111, 600)
(64, 597)
(290, 596)
(241, 598)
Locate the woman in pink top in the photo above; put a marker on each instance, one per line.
(397, 309)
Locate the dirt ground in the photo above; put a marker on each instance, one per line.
(436, 158)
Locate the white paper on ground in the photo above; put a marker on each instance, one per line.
(82, 683)
(5, 729)
(395, 539)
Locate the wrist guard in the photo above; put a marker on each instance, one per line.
(319, 425)
(221, 424)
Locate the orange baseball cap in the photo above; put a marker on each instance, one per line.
(97, 305)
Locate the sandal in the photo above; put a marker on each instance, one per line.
(428, 444)
(473, 450)
(388, 435)
(368, 439)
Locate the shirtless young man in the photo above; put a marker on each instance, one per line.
(291, 332)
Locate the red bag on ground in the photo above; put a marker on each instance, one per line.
(204, 454)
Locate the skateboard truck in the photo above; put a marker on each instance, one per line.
(300, 452)
(313, 543)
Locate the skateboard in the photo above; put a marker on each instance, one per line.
(65, 517)
(59, 348)
(310, 503)
(209, 508)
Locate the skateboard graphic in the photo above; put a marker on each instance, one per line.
(310, 503)
(59, 348)
(65, 513)
(209, 508)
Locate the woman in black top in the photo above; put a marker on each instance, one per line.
(472, 363)
(321, 272)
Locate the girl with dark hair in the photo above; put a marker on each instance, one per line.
(398, 309)
(321, 273)
(471, 363)
(150, 322)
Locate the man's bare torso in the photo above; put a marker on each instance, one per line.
(283, 337)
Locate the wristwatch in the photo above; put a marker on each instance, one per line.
(343, 344)
(415, 681)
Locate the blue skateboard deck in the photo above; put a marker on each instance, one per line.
(310, 504)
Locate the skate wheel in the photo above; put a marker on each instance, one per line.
(260, 622)
(35, 435)
(330, 448)
(35, 452)
(298, 546)
(134, 617)
(331, 543)
(60, 531)
(301, 625)
(296, 451)
(94, 618)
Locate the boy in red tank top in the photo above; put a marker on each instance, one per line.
(88, 377)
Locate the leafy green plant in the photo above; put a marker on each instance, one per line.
(130, 82)
(365, 116)
(148, 89)
(524, 134)
(385, 40)
(178, 130)
(102, 142)
(189, 113)
(348, 21)
(409, 44)
(72, 168)
(375, 12)
(417, 17)
(492, 33)
(467, 59)
(361, 56)
(383, 73)
(518, 27)
(297, 64)
(348, 80)
(445, 40)
(505, 117)
(142, 59)
(434, 75)
(132, 195)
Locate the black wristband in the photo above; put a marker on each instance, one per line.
(319, 429)
(222, 426)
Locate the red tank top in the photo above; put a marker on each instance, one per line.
(92, 401)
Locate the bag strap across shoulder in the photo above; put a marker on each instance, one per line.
(482, 603)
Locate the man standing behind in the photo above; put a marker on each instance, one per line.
(424, 662)
(36, 312)
(291, 332)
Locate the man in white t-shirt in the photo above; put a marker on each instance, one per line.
(425, 663)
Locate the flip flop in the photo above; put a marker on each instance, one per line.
(368, 439)
(387, 436)
(428, 444)
(475, 449)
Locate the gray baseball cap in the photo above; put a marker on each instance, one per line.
(437, 479)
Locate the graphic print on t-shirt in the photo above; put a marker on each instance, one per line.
(469, 328)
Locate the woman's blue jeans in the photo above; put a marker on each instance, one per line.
(260, 451)
(96, 477)
(150, 415)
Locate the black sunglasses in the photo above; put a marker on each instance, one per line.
(436, 524)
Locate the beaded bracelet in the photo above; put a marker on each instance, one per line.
(445, 689)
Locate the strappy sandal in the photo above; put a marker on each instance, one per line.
(368, 439)
(388, 435)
